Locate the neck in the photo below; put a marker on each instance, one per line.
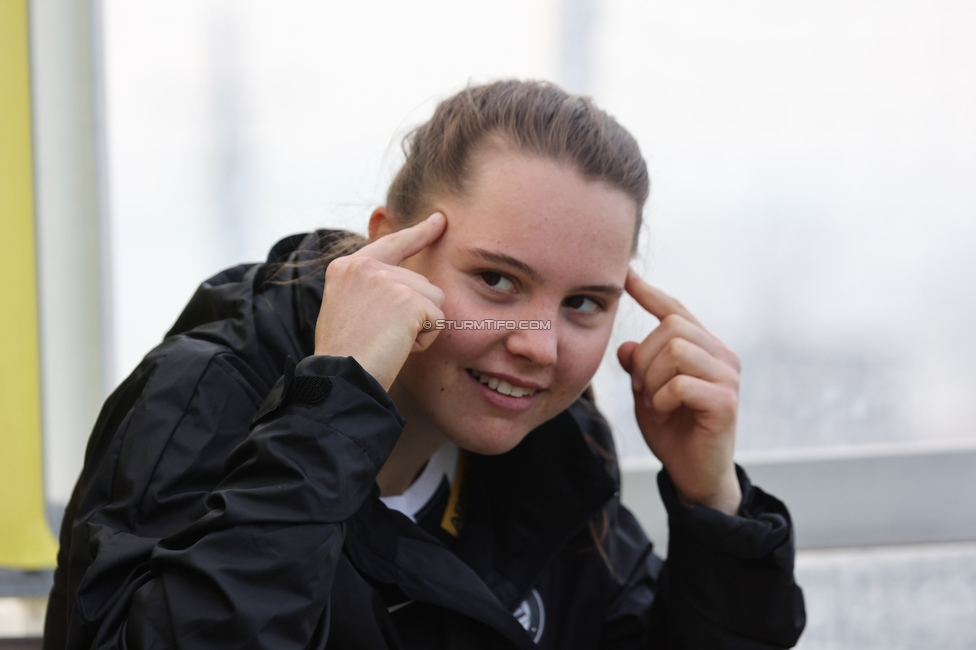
(418, 442)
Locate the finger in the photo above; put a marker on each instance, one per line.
(681, 357)
(417, 282)
(625, 355)
(655, 301)
(673, 327)
(428, 330)
(696, 394)
(397, 246)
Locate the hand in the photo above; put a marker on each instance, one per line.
(686, 395)
(373, 310)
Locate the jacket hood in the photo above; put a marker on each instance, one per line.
(266, 312)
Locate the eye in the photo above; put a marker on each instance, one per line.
(497, 281)
(582, 304)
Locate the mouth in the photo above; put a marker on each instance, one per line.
(502, 386)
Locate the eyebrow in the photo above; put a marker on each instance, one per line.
(608, 289)
(515, 263)
(505, 260)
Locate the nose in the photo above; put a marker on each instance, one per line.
(534, 340)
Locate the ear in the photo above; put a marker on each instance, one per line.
(381, 222)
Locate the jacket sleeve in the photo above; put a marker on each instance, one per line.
(253, 566)
(727, 582)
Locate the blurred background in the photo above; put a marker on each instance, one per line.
(813, 202)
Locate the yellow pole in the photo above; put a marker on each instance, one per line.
(25, 539)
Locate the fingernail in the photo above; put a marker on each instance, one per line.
(636, 382)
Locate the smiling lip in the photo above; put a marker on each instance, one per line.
(514, 381)
(501, 401)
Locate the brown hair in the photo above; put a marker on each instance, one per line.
(533, 117)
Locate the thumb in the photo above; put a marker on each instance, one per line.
(397, 246)
(625, 355)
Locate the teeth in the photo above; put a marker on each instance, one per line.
(502, 386)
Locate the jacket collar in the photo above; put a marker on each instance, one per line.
(520, 509)
(523, 506)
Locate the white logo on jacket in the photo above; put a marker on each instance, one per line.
(532, 615)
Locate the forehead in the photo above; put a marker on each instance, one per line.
(545, 213)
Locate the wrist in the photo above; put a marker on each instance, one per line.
(726, 499)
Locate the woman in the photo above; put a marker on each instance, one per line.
(433, 472)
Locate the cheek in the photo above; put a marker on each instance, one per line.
(454, 347)
(581, 362)
(459, 304)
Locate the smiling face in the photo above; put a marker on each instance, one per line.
(531, 240)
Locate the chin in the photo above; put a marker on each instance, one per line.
(485, 439)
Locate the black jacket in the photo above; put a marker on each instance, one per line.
(228, 500)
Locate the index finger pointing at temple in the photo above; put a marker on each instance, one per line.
(397, 246)
(655, 301)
